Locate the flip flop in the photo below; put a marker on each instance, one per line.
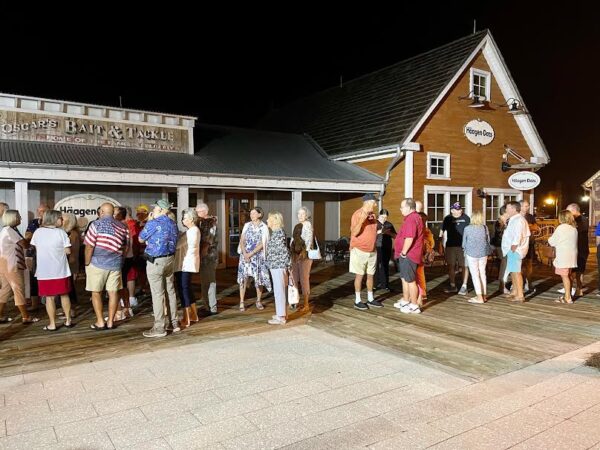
(49, 329)
(71, 325)
(31, 320)
(97, 328)
(561, 299)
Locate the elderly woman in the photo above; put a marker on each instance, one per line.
(53, 273)
(69, 224)
(12, 266)
(187, 263)
(301, 243)
(278, 262)
(253, 243)
(476, 245)
(564, 240)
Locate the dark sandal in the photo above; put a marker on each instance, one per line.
(49, 329)
(71, 325)
(97, 328)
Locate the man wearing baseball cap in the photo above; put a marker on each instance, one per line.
(160, 236)
(454, 226)
(363, 254)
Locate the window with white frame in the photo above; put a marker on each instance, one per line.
(438, 200)
(495, 199)
(481, 84)
(438, 165)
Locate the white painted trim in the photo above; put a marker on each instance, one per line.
(501, 192)
(183, 202)
(367, 153)
(588, 183)
(509, 89)
(409, 168)
(373, 158)
(80, 176)
(447, 157)
(488, 82)
(191, 141)
(21, 204)
(447, 190)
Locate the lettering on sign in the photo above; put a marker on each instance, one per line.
(479, 132)
(524, 181)
(84, 206)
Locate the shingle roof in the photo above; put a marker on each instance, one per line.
(219, 150)
(377, 109)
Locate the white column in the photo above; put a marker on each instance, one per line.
(408, 174)
(22, 204)
(296, 204)
(183, 202)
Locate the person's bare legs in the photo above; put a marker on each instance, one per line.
(66, 306)
(113, 302)
(369, 283)
(579, 284)
(258, 297)
(465, 275)
(405, 291)
(243, 293)
(517, 279)
(566, 279)
(97, 304)
(413, 292)
(358, 282)
(51, 310)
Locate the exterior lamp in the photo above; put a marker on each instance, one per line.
(514, 105)
(476, 100)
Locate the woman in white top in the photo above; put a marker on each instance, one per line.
(564, 240)
(52, 247)
(301, 263)
(12, 266)
(187, 262)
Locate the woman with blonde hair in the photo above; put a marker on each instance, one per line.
(564, 240)
(476, 245)
(301, 243)
(12, 265)
(278, 261)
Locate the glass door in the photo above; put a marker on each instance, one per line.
(238, 207)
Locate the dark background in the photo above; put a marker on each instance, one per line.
(230, 64)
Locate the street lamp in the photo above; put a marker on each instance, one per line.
(552, 201)
(585, 198)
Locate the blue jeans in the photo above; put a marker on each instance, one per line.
(184, 288)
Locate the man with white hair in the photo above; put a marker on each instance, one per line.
(583, 246)
(209, 257)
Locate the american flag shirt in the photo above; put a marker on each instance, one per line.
(110, 238)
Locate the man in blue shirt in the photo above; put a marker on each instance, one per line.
(160, 236)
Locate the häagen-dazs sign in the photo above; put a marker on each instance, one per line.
(524, 181)
(84, 206)
(479, 132)
(46, 127)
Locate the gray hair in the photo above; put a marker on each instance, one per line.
(69, 222)
(410, 202)
(9, 218)
(574, 207)
(202, 206)
(191, 213)
(3, 207)
(306, 211)
(50, 218)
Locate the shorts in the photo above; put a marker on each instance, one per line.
(408, 269)
(127, 265)
(58, 286)
(581, 263)
(363, 262)
(98, 280)
(562, 271)
(455, 256)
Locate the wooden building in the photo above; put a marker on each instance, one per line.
(437, 127)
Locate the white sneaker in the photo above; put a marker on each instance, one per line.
(133, 302)
(463, 290)
(562, 291)
(401, 304)
(277, 321)
(411, 309)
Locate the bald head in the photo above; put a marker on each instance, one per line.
(107, 209)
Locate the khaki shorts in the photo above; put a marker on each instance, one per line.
(363, 262)
(98, 280)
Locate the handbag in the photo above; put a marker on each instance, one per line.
(489, 248)
(293, 295)
(548, 251)
(315, 253)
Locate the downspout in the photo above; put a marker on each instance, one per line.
(400, 154)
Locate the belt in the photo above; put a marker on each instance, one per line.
(164, 256)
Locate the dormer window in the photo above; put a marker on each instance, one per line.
(481, 84)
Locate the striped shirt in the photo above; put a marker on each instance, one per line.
(110, 238)
(12, 258)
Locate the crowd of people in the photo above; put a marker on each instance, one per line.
(124, 255)
(466, 244)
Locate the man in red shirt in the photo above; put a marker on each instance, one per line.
(409, 251)
(363, 254)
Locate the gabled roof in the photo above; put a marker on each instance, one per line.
(218, 151)
(588, 183)
(377, 109)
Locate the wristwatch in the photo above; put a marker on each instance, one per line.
(403, 255)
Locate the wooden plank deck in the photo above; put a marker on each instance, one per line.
(477, 341)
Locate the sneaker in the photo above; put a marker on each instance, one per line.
(176, 329)
(463, 290)
(562, 291)
(451, 290)
(529, 292)
(154, 333)
(361, 306)
(133, 302)
(401, 304)
(375, 304)
(276, 321)
(411, 309)
(214, 310)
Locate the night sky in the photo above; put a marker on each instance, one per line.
(230, 65)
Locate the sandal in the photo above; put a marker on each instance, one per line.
(5, 319)
(97, 328)
(31, 320)
(242, 307)
(476, 301)
(561, 299)
(69, 325)
(49, 329)
(259, 306)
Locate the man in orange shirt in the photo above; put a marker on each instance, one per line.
(363, 254)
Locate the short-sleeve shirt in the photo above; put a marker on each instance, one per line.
(161, 236)
(33, 225)
(385, 239)
(109, 237)
(455, 227)
(12, 257)
(52, 262)
(412, 227)
(365, 240)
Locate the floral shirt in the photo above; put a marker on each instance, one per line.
(278, 255)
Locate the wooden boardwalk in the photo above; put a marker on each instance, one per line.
(476, 341)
